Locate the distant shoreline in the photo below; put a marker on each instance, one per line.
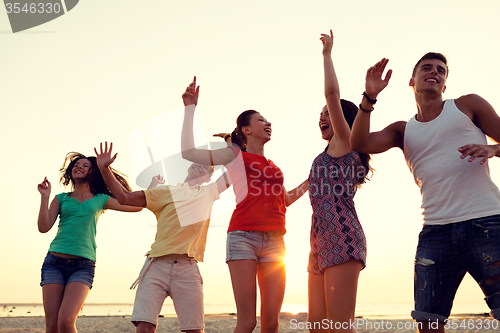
(283, 314)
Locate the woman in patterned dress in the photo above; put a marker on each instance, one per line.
(338, 244)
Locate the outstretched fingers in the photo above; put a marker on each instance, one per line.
(104, 158)
(374, 82)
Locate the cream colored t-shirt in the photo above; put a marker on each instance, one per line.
(183, 215)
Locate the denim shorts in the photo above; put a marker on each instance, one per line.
(65, 270)
(445, 253)
(261, 246)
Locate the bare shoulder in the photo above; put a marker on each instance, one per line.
(398, 127)
(472, 105)
(398, 130)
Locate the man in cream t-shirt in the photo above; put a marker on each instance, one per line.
(183, 215)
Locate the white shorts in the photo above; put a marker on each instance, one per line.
(175, 276)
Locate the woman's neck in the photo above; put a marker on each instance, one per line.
(81, 188)
(255, 148)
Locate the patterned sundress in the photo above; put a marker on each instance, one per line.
(336, 234)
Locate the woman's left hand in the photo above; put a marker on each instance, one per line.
(327, 41)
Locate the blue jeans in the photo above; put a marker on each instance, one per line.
(64, 270)
(261, 246)
(444, 254)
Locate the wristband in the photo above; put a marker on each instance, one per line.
(372, 101)
(226, 136)
(364, 110)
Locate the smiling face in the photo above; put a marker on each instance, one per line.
(201, 172)
(325, 124)
(430, 76)
(81, 169)
(259, 128)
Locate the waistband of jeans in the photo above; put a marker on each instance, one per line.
(273, 233)
(66, 259)
(175, 256)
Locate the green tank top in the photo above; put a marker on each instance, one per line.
(76, 231)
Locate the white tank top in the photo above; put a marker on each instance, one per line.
(453, 189)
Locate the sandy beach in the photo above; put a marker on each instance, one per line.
(225, 323)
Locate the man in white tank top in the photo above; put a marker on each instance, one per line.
(446, 150)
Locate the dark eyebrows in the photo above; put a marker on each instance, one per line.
(427, 66)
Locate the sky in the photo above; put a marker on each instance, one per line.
(107, 69)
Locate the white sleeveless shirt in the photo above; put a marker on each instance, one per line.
(453, 189)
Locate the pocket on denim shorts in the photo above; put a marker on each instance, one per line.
(488, 223)
(49, 258)
(425, 230)
(87, 263)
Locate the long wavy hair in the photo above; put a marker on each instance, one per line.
(94, 177)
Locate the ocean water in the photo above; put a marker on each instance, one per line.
(366, 310)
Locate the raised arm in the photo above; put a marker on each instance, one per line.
(484, 116)
(47, 216)
(332, 95)
(123, 197)
(188, 148)
(296, 193)
(155, 181)
(223, 182)
(377, 142)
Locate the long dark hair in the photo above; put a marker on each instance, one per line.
(350, 111)
(237, 136)
(94, 177)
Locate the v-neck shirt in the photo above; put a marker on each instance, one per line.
(76, 231)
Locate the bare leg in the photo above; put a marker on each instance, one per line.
(144, 327)
(317, 303)
(341, 286)
(75, 294)
(243, 273)
(52, 295)
(272, 280)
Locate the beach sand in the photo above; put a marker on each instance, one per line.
(225, 323)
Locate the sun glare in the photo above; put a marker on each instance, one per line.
(293, 308)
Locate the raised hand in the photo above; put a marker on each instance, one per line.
(44, 187)
(158, 179)
(327, 41)
(374, 82)
(191, 94)
(104, 158)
